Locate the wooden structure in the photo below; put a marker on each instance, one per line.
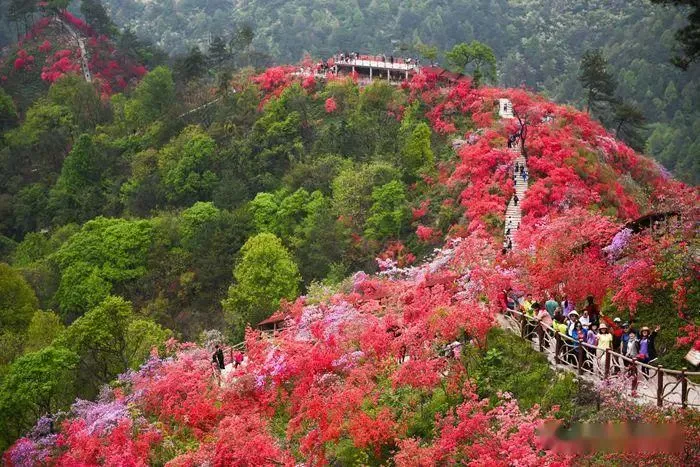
(272, 324)
(655, 221)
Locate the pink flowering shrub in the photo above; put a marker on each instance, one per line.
(111, 70)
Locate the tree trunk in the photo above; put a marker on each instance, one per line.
(590, 98)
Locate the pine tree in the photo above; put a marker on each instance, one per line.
(20, 12)
(479, 55)
(689, 36)
(193, 65)
(629, 121)
(219, 52)
(597, 81)
(96, 16)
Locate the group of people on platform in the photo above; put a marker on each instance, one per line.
(588, 325)
(352, 56)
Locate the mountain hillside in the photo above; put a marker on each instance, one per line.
(361, 374)
(537, 43)
(64, 44)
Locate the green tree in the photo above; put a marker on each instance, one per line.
(17, 300)
(36, 384)
(186, 165)
(264, 210)
(240, 45)
(79, 193)
(219, 53)
(277, 138)
(198, 221)
(97, 17)
(629, 121)
(389, 212)
(429, 52)
(320, 240)
(11, 346)
(144, 191)
(140, 50)
(8, 112)
(193, 65)
(316, 174)
(265, 274)
(352, 191)
(689, 36)
(479, 56)
(31, 208)
(596, 80)
(417, 154)
(109, 340)
(81, 99)
(33, 247)
(21, 12)
(44, 327)
(152, 98)
(103, 254)
(38, 144)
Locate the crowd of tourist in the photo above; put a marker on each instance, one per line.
(589, 325)
(345, 57)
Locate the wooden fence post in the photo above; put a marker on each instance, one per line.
(522, 325)
(660, 386)
(557, 347)
(684, 388)
(540, 336)
(607, 363)
(635, 377)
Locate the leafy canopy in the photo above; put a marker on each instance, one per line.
(479, 56)
(17, 300)
(265, 274)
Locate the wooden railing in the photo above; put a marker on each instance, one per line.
(649, 383)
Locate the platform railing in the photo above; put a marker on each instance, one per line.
(651, 383)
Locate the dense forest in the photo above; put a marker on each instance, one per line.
(171, 200)
(537, 43)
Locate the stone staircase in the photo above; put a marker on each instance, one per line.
(84, 58)
(505, 108)
(513, 212)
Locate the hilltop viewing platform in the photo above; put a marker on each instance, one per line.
(367, 68)
(370, 67)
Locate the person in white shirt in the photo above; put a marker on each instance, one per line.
(573, 319)
(585, 319)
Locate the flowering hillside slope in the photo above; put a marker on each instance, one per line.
(48, 52)
(360, 374)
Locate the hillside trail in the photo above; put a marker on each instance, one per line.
(78, 38)
(637, 381)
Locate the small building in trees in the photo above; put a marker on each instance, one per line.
(272, 324)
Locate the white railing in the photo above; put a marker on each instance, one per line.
(398, 65)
